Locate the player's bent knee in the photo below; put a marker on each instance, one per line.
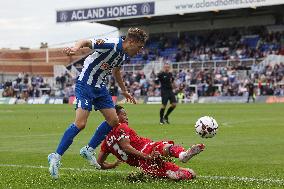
(113, 122)
(81, 124)
(166, 149)
(193, 174)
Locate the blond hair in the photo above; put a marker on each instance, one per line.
(137, 34)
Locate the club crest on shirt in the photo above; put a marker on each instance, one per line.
(104, 66)
(121, 132)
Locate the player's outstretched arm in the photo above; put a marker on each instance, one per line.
(78, 45)
(105, 165)
(127, 148)
(119, 80)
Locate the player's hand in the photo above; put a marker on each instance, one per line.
(117, 163)
(129, 97)
(154, 154)
(100, 41)
(70, 50)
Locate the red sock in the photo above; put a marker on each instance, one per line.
(176, 150)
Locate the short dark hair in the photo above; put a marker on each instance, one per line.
(118, 108)
(137, 34)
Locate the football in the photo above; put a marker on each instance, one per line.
(206, 127)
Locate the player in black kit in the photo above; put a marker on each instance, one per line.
(166, 80)
(251, 94)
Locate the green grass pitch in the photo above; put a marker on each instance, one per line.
(247, 152)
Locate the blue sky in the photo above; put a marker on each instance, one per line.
(26, 23)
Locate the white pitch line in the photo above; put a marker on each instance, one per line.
(234, 123)
(235, 178)
(28, 136)
(63, 168)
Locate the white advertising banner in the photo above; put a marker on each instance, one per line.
(168, 7)
(148, 8)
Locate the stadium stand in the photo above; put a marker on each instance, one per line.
(220, 45)
(237, 43)
(213, 53)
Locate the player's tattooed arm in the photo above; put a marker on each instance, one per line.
(105, 165)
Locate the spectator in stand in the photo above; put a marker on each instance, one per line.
(8, 91)
(113, 90)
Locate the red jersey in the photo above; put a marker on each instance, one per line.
(110, 144)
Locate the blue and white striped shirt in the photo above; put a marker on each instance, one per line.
(99, 65)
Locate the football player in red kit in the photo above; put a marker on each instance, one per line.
(127, 146)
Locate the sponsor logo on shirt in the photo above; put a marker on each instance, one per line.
(104, 66)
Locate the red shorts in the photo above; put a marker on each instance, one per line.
(159, 167)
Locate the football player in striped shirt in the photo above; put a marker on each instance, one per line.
(91, 92)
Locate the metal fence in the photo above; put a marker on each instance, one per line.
(194, 64)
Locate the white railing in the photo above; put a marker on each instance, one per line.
(212, 64)
(133, 67)
(190, 64)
